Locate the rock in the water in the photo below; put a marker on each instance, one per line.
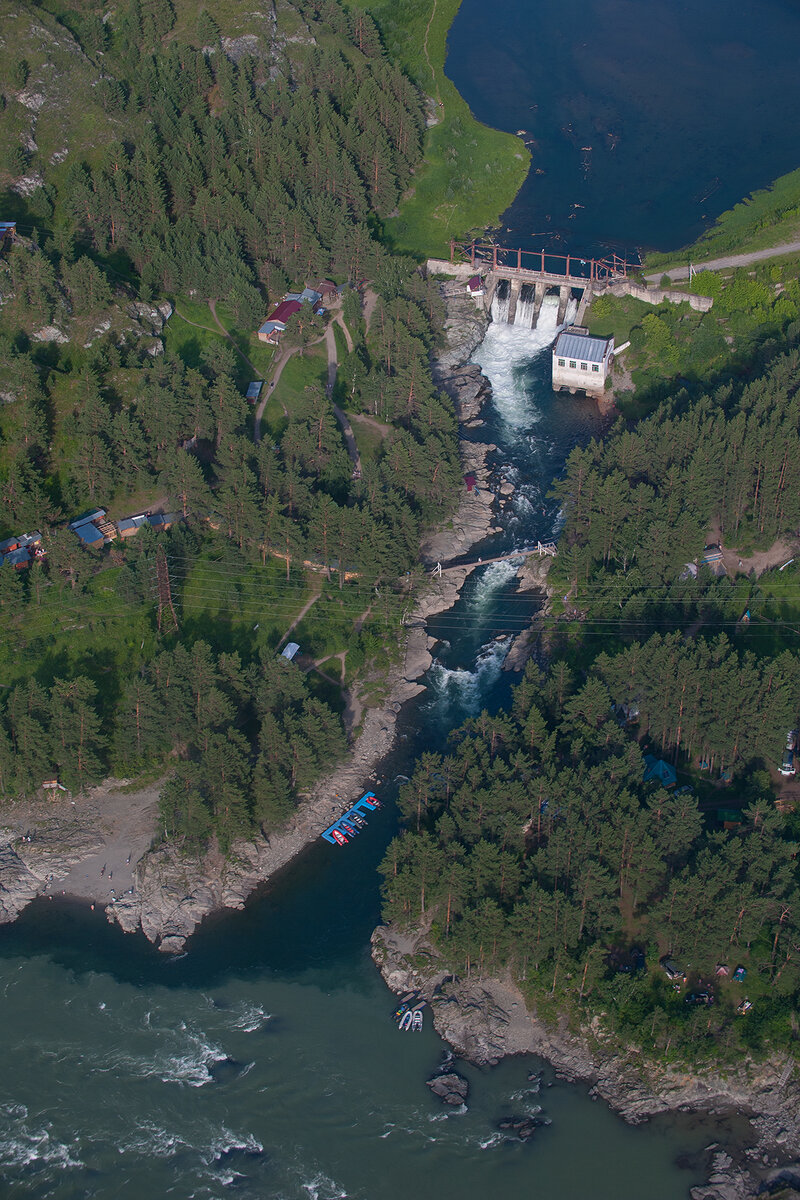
(522, 1127)
(450, 1088)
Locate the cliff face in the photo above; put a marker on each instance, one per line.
(486, 1019)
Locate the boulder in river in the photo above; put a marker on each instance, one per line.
(521, 1127)
(450, 1088)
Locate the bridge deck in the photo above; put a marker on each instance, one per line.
(542, 550)
(549, 278)
(541, 263)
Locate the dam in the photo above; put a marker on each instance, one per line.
(532, 288)
(518, 282)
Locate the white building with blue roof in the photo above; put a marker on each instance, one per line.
(581, 363)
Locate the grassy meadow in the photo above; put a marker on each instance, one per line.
(471, 172)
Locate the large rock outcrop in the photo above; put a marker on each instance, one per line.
(484, 1019)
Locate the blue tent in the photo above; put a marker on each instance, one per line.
(655, 769)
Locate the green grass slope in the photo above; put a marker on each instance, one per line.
(471, 173)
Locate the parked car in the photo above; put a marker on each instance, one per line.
(787, 766)
(791, 739)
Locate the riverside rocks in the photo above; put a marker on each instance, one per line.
(29, 868)
(451, 1088)
(486, 1019)
(166, 892)
(523, 1128)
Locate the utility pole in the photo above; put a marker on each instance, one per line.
(166, 609)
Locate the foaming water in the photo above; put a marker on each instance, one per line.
(29, 1143)
(503, 357)
(458, 692)
(494, 577)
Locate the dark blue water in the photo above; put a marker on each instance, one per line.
(645, 121)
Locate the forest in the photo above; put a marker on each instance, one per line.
(232, 169)
(639, 503)
(535, 843)
(621, 815)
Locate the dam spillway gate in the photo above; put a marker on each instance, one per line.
(518, 281)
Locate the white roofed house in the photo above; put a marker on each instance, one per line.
(581, 363)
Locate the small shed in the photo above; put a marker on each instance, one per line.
(130, 526)
(95, 514)
(270, 331)
(18, 558)
(289, 650)
(164, 520)
(254, 390)
(475, 286)
(326, 288)
(470, 481)
(581, 363)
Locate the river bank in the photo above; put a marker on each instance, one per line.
(98, 847)
(485, 1019)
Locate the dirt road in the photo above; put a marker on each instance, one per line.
(732, 260)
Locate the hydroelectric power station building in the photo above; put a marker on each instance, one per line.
(581, 363)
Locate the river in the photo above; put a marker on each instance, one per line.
(264, 1063)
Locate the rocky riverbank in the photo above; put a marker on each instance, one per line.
(486, 1019)
(172, 894)
(99, 847)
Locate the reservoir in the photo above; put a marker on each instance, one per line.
(263, 1063)
(644, 121)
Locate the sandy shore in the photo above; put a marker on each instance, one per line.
(85, 847)
(126, 820)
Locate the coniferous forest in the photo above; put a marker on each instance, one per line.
(171, 180)
(542, 840)
(535, 843)
(209, 170)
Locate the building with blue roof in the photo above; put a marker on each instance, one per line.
(89, 534)
(658, 771)
(17, 558)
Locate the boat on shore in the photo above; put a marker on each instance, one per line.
(409, 1014)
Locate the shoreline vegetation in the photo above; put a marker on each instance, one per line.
(767, 217)
(98, 848)
(107, 399)
(470, 173)
(35, 865)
